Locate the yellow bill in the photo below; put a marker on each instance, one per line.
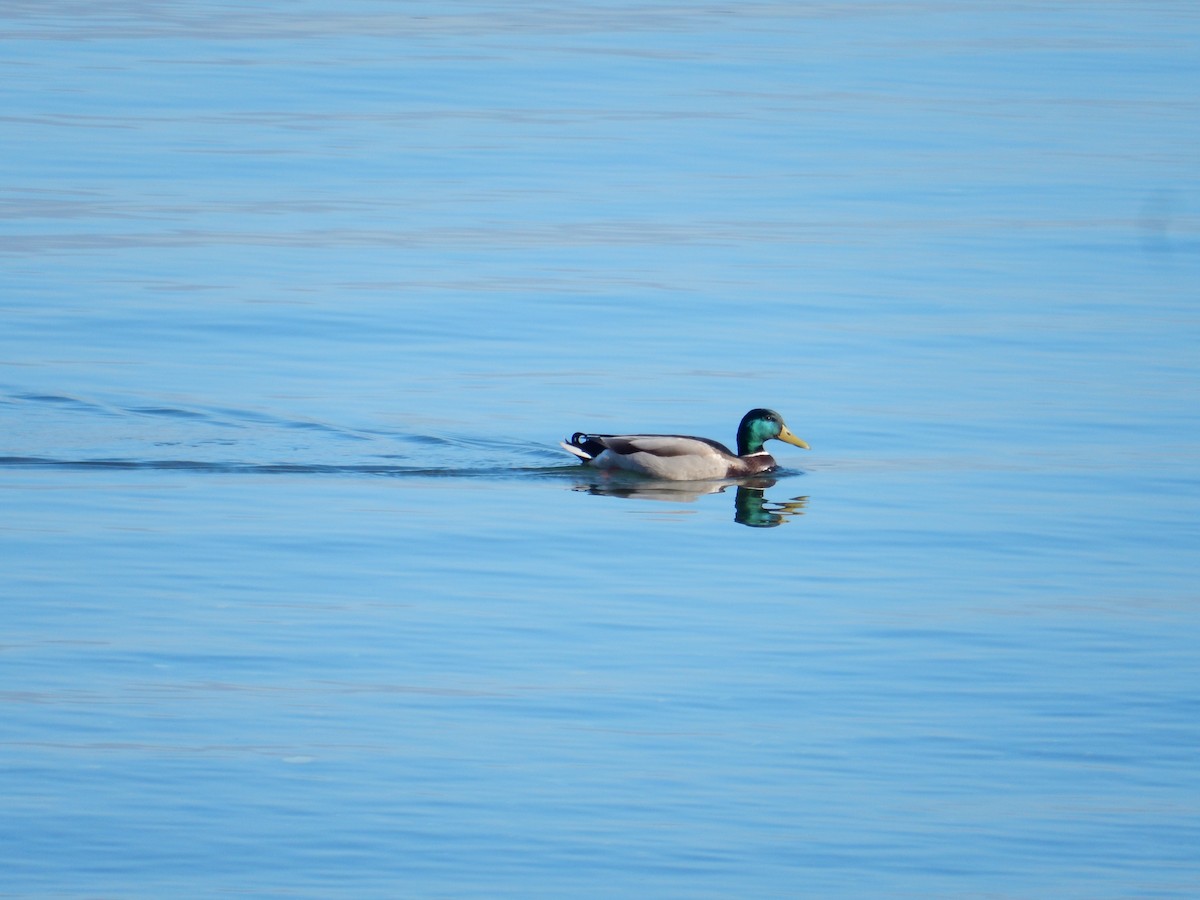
(786, 436)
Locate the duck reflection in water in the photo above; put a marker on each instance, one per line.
(750, 504)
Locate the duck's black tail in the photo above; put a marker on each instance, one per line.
(583, 446)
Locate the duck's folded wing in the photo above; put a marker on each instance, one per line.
(661, 445)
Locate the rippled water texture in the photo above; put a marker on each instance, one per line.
(302, 598)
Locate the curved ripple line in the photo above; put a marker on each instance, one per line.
(41, 462)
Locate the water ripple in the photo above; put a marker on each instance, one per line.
(194, 465)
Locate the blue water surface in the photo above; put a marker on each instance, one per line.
(303, 599)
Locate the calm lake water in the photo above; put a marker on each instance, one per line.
(302, 599)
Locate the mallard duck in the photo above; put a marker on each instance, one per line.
(678, 457)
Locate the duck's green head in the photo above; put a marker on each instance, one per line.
(761, 425)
